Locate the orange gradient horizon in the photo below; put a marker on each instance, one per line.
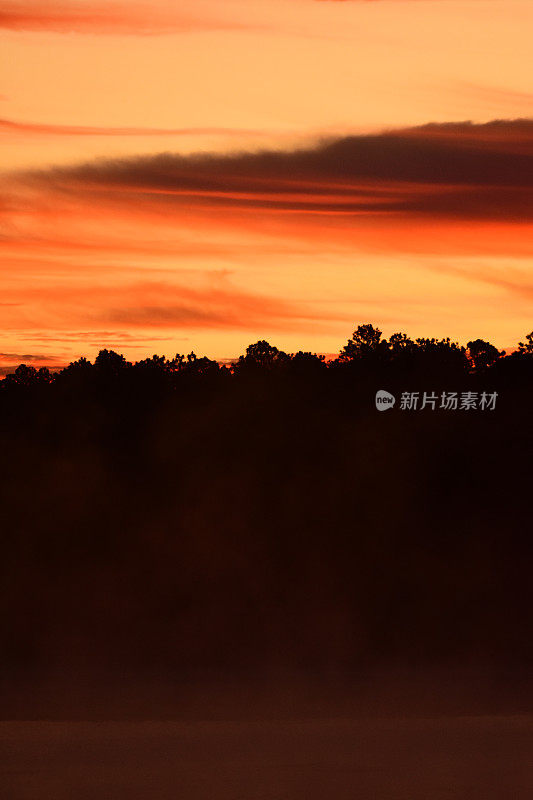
(203, 176)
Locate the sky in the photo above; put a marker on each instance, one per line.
(203, 174)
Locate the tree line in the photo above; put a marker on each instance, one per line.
(366, 349)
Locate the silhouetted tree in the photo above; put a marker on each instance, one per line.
(155, 363)
(306, 362)
(365, 341)
(82, 365)
(201, 366)
(28, 376)
(110, 363)
(526, 348)
(441, 357)
(400, 345)
(483, 354)
(263, 356)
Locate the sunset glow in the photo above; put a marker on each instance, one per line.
(200, 175)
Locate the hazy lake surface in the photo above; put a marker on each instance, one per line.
(472, 758)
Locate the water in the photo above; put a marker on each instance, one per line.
(466, 758)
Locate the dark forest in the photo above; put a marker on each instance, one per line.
(180, 518)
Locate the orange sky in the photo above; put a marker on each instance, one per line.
(301, 191)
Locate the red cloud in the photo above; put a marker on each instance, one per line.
(106, 18)
(41, 128)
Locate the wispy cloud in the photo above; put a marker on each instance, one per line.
(47, 129)
(498, 96)
(110, 17)
(184, 307)
(25, 357)
(211, 304)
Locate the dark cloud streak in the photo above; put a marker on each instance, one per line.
(452, 171)
(24, 357)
